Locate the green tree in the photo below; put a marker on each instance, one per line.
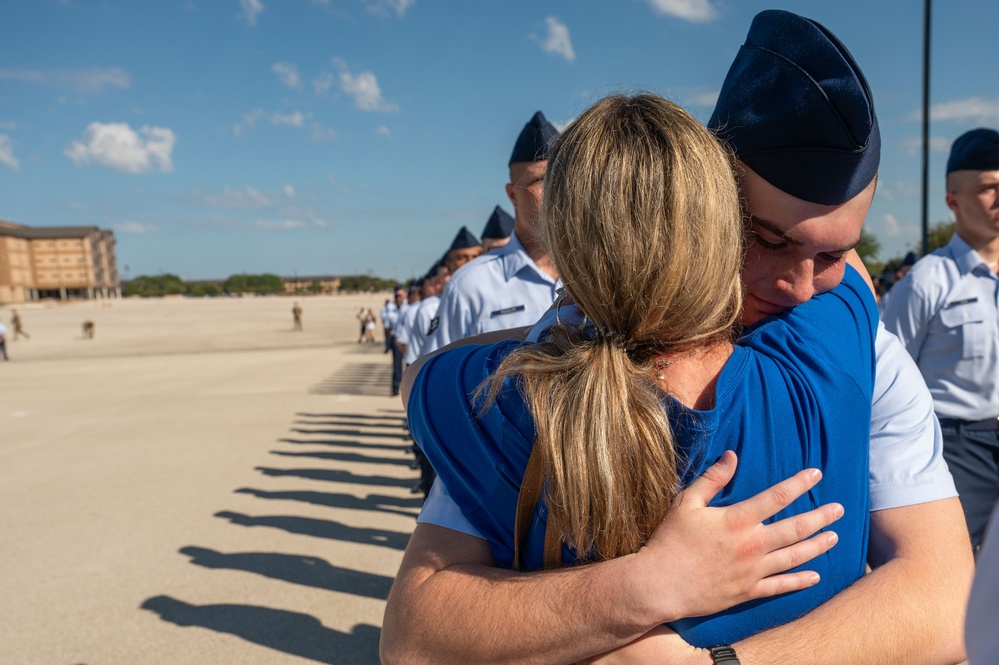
(868, 250)
(940, 234)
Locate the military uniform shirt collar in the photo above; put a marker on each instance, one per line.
(966, 258)
(516, 258)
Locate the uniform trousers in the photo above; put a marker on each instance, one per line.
(396, 367)
(972, 453)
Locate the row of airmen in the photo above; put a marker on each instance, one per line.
(504, 281)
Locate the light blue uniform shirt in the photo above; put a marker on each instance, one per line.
(403, 331)
(499, 290)
(424, 326)
(946, 313)
(391, 314)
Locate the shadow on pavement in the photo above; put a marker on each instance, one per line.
(336, 476)
(310, 526)
(295, 568)
(345, 457)
(374, 502)
(373, 379)
(346, 444)
(290, 632)
(350, 432)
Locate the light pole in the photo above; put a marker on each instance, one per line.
(927, 13)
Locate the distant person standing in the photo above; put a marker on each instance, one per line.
(296, 315)
(497, 231)
(384, 313)
(391, 321)
(946, 312)
(403, 331)
(15, 323)
(513, 285)
(3, 341)
(369, 326)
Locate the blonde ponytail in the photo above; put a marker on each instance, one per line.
(642, 221)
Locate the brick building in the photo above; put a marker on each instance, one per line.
(57, 262)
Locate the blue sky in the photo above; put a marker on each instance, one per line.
(342, 136)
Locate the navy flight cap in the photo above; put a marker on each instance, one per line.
(797, 110)
(977, 150)
(535, 140)
(499, 226)
(464, 240)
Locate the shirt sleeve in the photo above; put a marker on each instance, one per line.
(907, 465)
(454, 314)
(906, 313)
(442, 510)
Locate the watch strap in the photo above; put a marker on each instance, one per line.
(724, 654)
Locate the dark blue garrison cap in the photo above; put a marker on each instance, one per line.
(535, 140)
(500, 225)
(797, 110)
(464, 240)
(977, 150)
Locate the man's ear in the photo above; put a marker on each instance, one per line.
(951, 202)
(509, 194)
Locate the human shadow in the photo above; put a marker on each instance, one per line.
(373, 502)
(354, 416)
(344, 422)
(307, 571)
(344, 457)
(322, 529)
(290, 632)
(370, 378)
(346, 444)
(350, 432)
(336, 476)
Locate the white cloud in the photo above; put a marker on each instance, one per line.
(132, 226)
(118, 146)
(321, 132)
(289, 191)
(974, 109)
(892, 227)
(7, 153)
(296, 119)
(364, 88)
(384, 131)
(8, 125)
(389, 7)
(322, 83)
(249, 122)
(287, 73)
(696, 11)
(247, 197)
(85, 80)
(278, 224)
(249, 10)
(343, 189)
(704, 99)
(557, 40)
(914, 145)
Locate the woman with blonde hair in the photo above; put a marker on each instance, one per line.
(576, 448)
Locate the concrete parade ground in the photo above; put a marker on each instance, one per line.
(199, 483)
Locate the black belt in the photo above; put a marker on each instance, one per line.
(987, 425)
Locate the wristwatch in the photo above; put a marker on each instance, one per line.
(724, 654)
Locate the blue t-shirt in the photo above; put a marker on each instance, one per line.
(795, 393)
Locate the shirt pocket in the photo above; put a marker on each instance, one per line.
(968, 324)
